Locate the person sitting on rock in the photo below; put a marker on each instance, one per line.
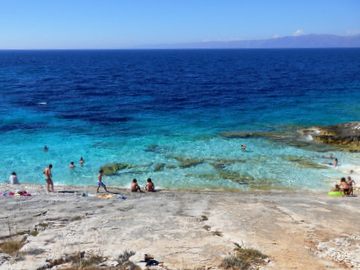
(351, 184)
(150, 187)
(344, 186)
(134, 186)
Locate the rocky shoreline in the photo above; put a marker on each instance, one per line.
(180, 229)
(344, 136)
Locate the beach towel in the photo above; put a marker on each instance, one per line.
(105, 196)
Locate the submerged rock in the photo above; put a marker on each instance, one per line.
(343, 136)
(154, 148)
(220, 164)
(245, 134)
(188, 162)
(113, 168)
(236, 177)
(159, 167)
(304, 162)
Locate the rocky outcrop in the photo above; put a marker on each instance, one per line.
(344, 136)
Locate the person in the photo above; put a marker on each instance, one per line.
(134, 186)
(46, 148)
(13, 179)
(335, 162)
(150, 187)
(100, 182)
(243, 147)
(48, 178)
(72, 165)
(351, 184)
(344, 186)
(81, 161)
(336, 188)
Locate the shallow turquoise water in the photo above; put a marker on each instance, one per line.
(115, 106)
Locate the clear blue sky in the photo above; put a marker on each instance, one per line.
(30, 24)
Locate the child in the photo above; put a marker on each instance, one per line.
(150, 187)
(134, 186)
(344, 186)
(81, 161)
(100, 182)
(351, 184)
(336, 188)
(13, 179)
(72, 165)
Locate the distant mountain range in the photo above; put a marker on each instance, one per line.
(301, 41)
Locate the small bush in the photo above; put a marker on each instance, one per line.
(34, 233)
(11, 247)
(206, 227)
(91, 261)
(217, 233)
(76, 218)
(43, 225)
(243, 259)
(125, 263)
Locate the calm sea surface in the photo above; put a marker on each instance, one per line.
(162, 112)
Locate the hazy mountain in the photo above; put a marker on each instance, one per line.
(302, 41)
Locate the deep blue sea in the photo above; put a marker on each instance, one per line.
(153, 109)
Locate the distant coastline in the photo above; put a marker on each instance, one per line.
(310, 41)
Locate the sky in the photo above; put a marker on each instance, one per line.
(96, 24)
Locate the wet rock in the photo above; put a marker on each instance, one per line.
(344, 136)
(113, 168)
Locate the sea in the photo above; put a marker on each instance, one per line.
(164, 113)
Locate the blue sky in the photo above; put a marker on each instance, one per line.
(63, 24)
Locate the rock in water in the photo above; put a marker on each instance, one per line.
(344, 136)
(113, 168)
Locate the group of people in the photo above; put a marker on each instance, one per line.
(149, 187)
(346, 186)
(81, 162)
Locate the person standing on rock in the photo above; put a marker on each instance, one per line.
(100, 182)
(48, 178)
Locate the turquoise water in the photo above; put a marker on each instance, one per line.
(153, 109)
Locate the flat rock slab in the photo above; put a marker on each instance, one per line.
(186, 230)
